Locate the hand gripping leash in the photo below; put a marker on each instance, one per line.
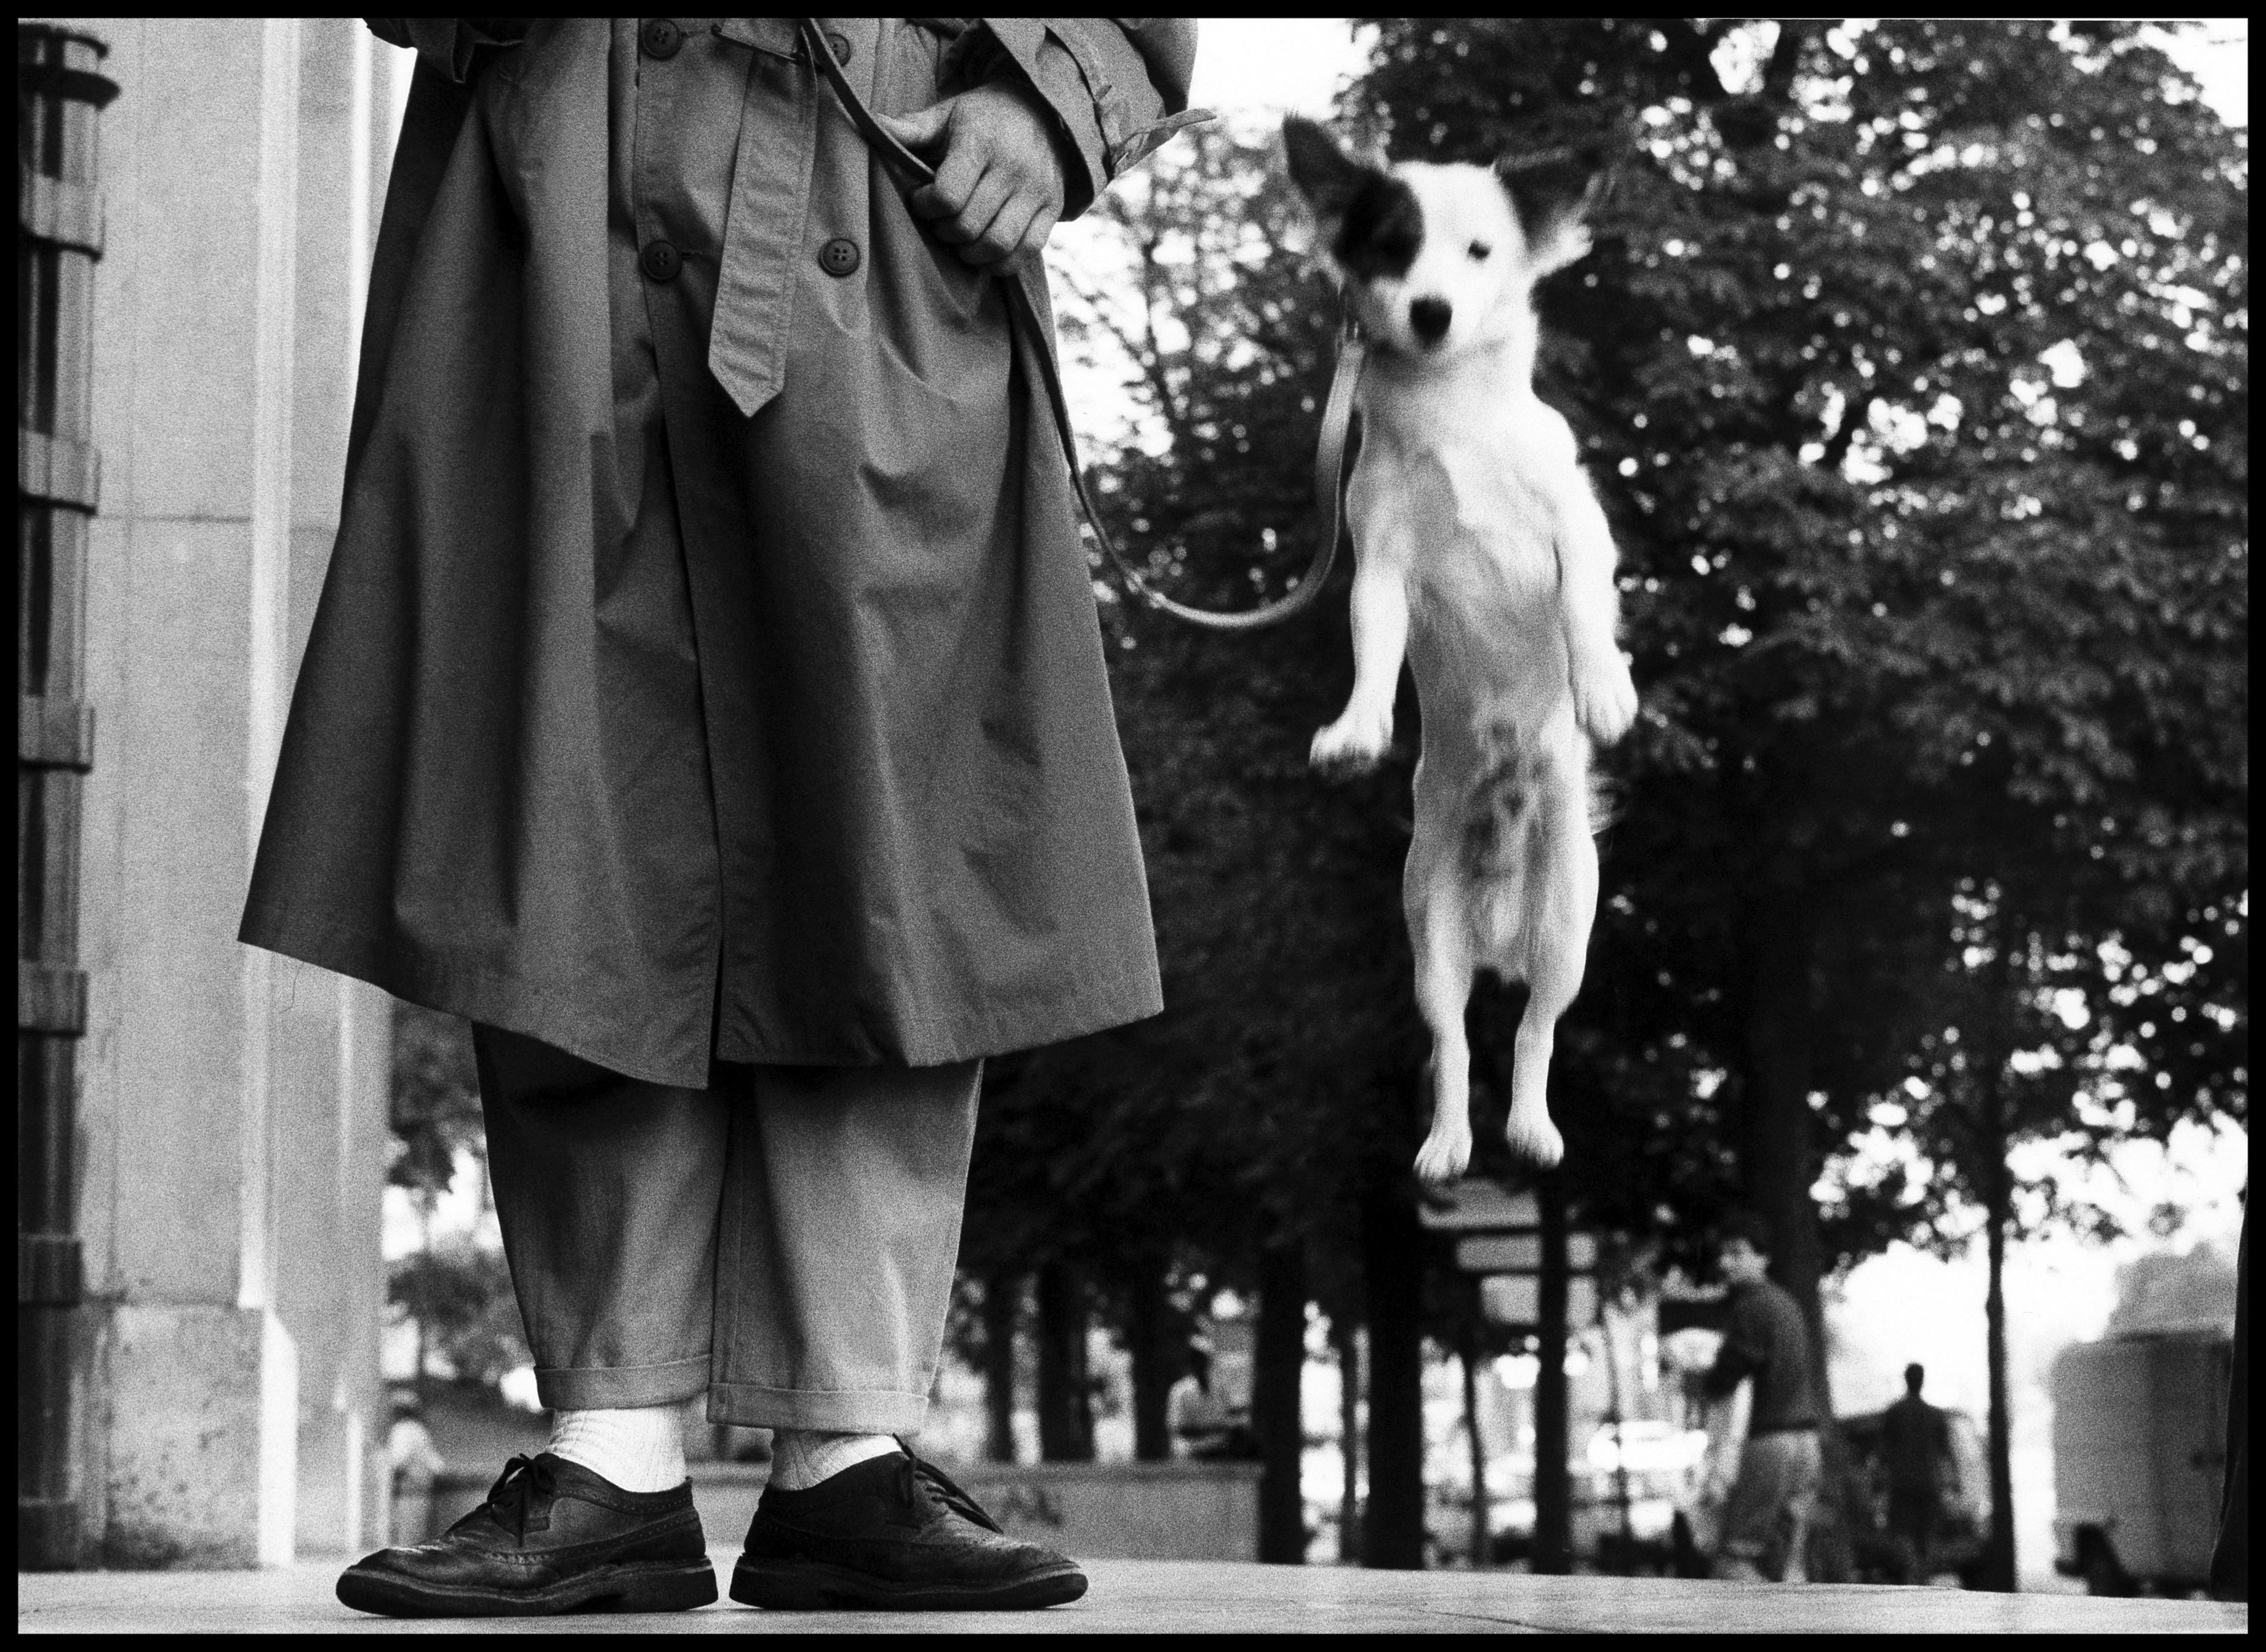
(1329, 454)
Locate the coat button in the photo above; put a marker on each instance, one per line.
(841, 45)
(661, 261)
(837, 256)
(661, 37)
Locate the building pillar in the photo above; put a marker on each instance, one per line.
(233, 1122)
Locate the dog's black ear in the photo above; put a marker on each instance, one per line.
(1551, 193)
(1324, 174)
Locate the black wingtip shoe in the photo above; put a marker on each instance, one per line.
(893, 1533)
(552, 1537)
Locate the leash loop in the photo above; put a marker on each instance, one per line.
(1023, 311)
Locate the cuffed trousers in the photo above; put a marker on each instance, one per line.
(783, 1241)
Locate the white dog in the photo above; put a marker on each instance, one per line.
(1480, 553)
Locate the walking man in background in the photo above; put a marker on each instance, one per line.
(1766, 1342)
(1915, 1447)
(707, 701)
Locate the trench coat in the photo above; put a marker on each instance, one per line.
(707, 665)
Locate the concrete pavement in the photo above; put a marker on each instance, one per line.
(1151, 1597)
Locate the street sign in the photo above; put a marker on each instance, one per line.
(1517, 1300)
(1522, 1254)
(1475, 1205)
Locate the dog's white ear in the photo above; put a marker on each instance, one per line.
(1550, 193)
(1324, 174)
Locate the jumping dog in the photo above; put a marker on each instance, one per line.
(1481, 555)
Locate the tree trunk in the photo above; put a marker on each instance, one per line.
(1777, 1147)
(1345, 1339)
(1002, 1296)
(425, 1202)
(1553, 1504)
(1156, 1364)
(1778, 1163)
(1278, 1367)
(1392, 1285)
(1997, 1571)
(1065, 1400)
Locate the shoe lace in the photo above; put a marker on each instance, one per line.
(525, 1482)
(915, 1471)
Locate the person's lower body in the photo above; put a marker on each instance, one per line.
(1912, 1525)
(781, 1244)
(1767, 1523)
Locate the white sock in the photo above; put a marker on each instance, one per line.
(801, 1457)
(640, 1449)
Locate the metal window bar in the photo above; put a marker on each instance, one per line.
(59, 95)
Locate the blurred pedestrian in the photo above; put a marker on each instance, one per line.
(1203, 1425)
(706, 700)
(415, 1463)
(1915, 1448)
(2230, 1561)
(1766, 1524)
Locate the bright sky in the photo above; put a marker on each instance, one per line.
(1274, 65)
(1298, 65)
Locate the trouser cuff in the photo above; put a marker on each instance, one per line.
(838, 1410)
(609, 1387)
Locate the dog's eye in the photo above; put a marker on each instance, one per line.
(1480, 250)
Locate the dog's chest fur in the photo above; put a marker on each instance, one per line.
(1445, 467)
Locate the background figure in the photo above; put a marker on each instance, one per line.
(416, 1462)
(1915, 1449)
(1766, 1525)
(2230, 1561)
(1202, 1422)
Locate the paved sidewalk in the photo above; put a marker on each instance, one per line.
(1155, 1596)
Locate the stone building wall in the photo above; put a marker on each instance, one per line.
(232, 1115)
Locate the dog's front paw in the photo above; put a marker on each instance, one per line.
(1605, 697)
(1351, 745)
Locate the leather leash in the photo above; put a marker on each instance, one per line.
(1337, 413)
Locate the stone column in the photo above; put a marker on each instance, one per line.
(233, 1116)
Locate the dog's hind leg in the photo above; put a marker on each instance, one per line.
(1437, 899)
(1561, 903)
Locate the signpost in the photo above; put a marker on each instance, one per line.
(1522, 1254)
(1533, 1277)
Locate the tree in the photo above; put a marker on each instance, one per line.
(456, 1289)
(435, 1100)
(460, 1295)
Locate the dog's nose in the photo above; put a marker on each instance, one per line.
(1430, 318)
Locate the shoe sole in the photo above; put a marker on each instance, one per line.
(814, 1586)
(646, 1586)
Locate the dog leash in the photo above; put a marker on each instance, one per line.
(1337, 413)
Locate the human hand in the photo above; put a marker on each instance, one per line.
(998, 187)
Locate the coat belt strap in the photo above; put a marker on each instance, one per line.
(1024, 311)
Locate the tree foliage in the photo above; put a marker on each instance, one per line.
(459, 1293)
(1912, 365)
(435, 1103)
